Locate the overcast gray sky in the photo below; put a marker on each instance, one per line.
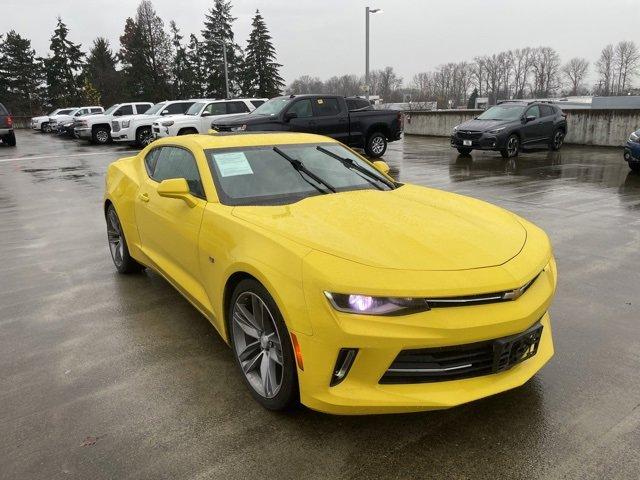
(326, 37)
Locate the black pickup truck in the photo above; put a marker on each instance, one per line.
(328, 115)
(7, 134)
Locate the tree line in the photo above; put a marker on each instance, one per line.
(153, 63)
(519, 73)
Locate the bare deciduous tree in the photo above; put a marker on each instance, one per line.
(626, 60)
(605, 69)
(574, 72)
(546, 70)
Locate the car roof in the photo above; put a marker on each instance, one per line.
(246, 139)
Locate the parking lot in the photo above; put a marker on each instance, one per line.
(111, 376)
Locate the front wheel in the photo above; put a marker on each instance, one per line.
(556, 140)
(376, 145)
(512, 148)
(100, 135)
(144, 137)
(262, 346)
(46, 128)
(118, 244)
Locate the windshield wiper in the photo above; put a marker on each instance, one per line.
(299, 166)
(351, 165)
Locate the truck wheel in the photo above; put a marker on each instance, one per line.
(45, 127)
(100, 135)
(376, 145)
(10, 139)
(144, 137)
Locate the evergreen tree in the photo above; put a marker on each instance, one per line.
(182, 73)
(63, 69)
(217, 30)
(20, 75)
(197, 66)
(145, 54)
(90, 95)
(100, 72)
(261, 71)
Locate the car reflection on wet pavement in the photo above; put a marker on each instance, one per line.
(125, 362)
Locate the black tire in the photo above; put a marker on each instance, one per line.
(376, 145)
(122, 260)
(10, 139)
(557, 139)
(635, 166)
(187, 131)
(100, 135)
(144, 137)
(287, 394)
(45, 127)
(512, 148)
(464, 151)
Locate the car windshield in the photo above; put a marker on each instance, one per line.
(156, 108)
(110, 110)
(272, 107)
(264, 175)
(55, 112)
(195, 108)
(503, 112)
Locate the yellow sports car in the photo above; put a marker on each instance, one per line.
(333, 284)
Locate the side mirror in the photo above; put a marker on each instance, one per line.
(381, 166)
(205, 114)
(165, 112)
(290, 116)
(176, 188)
(529, 118)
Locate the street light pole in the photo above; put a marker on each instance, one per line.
(368, 11)
(226, 71)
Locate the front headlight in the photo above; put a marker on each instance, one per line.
(126, 123)
(168, 123)
(634, 137)
(455, 129)
(367, 305)
(497, 130)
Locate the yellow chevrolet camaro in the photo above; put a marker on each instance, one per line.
(333, 284)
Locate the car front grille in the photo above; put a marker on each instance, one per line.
(115, 126)
(462, 361)
(469, 135)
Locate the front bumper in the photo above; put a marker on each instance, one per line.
(479, 141)
(83, 132)
(123, 135)
(632, 152)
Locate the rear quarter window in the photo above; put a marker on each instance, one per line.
(3, 110)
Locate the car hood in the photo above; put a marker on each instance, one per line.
(410, 228)
(482, 125)
(244, 119)
(41, 118)
(99, 117)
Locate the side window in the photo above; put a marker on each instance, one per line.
(124, 110)
(151, 160)
(302, 108)
(142, 107)
(257, 103)
(174, 162)
(218, 108)
(326, 107)
(178, 108)
(546, 110)
(533, 112)
(237, 107)
(96, 110)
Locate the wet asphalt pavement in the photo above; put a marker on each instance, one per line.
(109, 376)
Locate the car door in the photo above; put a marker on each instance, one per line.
(546, 121)
(331, 119)
(210, 113)
(304, 120)
(168, 227)
(532, 130)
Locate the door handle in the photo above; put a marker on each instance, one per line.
(144, 197)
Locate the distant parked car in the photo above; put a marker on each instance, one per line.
(511, 126)
(137, 130)
(7, 134)
(632, 151)
(55, 121)
(327, 115)
(97, 128)
(197, 119)
(41, 123)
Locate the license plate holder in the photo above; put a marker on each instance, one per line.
(467, 143)
(510, 351)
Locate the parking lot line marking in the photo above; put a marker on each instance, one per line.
(43, 157)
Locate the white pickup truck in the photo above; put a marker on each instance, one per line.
(137, 130)
(199, 116)
(42, 122)
(59, 119)
(97, 128)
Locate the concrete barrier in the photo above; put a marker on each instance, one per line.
(602, 127)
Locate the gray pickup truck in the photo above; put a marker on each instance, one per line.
(328, 115)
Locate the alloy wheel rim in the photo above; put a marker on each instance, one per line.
(145, 139)
(559, 138)
(114, 235)
(102, 136)
(257, 344)
(512, 148)
(377, 145)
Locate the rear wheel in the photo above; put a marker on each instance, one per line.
(118, 245)
(144, 137)
(512, 148)
(464, 151)
(10, 139)
(100, 135)
(376, 145)
(557, 140)
(262, 346)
